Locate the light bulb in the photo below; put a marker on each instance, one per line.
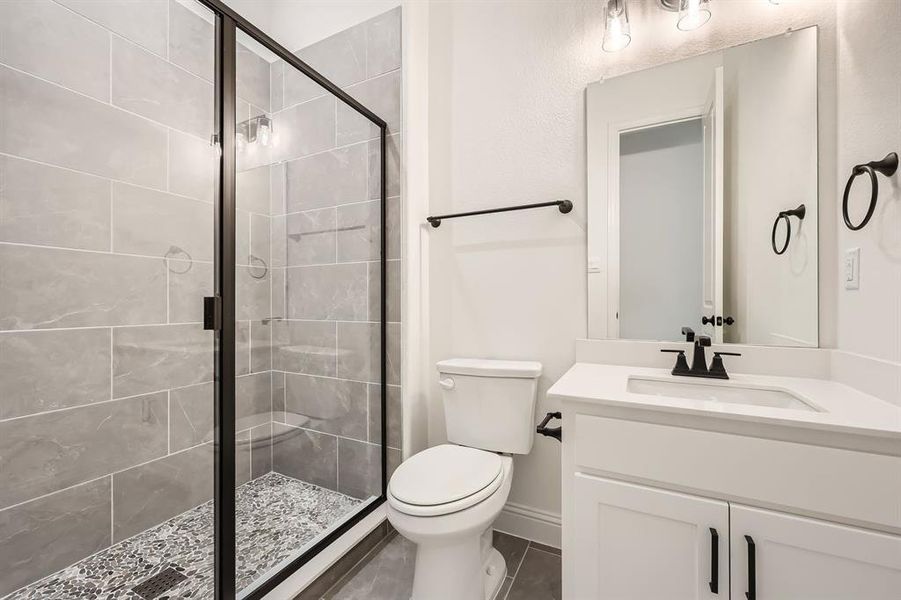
(693, 14)
(617, 33)
(265, 134)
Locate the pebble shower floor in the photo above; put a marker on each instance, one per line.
(276, 516)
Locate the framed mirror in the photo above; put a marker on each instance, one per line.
(702, 197)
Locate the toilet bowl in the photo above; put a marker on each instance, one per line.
(446, 498)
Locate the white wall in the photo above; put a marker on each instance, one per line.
(869, 112)
(506, 125)
(661, 184)
(296, 24)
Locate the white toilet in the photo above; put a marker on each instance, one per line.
(446, 498)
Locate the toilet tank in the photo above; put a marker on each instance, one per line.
(490, 404)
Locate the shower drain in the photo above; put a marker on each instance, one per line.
(159, 583)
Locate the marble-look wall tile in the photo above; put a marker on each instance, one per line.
(328, 179)
(51, 451)
(325, 404)
(242, 347)
(193, 166)
(252, 293)
(188, 284)
(394, 291)
(47, 206)
(359, 232)
(278, 396)
(279, 291)
(381, 95)
(192, 41)
(341, 57)
(46, 370)
(335, 292)
(260, 450)
(149, 86)
(359, 346)
(252, 190)
(298, 88)
(392, 167)
(261, 345)
(46, 123)
(242, 237)
(277, 184)
(305, 347)
(304, 129)
(149, 494)
(45, 39)
(306, 455)
(394, 409)
(143, 22)
(191, 416)
(45, 535)
(360, 467)
(277, 85)
(46, 288)
(159, 357)
(310, 237)
(259, 241)
(151, 223)
(242, 457)
(383, 43)
(253, 400)
(252, 77)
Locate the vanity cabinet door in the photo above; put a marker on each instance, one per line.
(785, 557)
(630, 542)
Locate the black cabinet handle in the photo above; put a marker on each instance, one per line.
(751, 594)
(714, 561)
(705, 320)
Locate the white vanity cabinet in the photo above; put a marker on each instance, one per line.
(633, 542)
(671, 499)
(637, 542)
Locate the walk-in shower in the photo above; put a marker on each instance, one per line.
(193, 315)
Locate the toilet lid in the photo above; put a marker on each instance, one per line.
(444, 474)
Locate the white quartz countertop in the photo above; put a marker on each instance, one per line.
(840, 407)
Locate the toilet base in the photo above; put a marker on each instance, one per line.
(441, 572)
(495, 569)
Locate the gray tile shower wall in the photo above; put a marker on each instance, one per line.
(325, 244)
(106, 248)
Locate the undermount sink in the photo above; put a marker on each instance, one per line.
(718, 392)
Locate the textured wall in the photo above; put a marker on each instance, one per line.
(506, 87)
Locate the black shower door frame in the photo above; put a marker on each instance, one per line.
(228, 22)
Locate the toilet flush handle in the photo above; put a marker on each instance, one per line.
(447, 383)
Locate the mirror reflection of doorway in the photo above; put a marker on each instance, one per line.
(661, 229)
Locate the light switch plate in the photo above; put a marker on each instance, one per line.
(852, 269)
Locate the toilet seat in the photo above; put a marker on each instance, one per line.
(445, 479)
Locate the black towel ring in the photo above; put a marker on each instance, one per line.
(887, 166)
(799, 212)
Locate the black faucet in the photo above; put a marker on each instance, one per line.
(717, 369)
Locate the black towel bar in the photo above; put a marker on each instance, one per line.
(887, 166)
(564, 205)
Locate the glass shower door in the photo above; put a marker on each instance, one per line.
(308, 281)
(106, 252)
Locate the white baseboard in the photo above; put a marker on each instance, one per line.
(308, 573)
(530, 523)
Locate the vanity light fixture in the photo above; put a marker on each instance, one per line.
(693, 14)
(616, 33)
(256, 129)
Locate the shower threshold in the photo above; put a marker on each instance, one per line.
(276, 517)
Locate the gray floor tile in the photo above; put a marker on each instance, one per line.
(539, 577)
(512, 548)
(549, 549)
(388, 575)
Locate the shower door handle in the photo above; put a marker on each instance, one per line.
(212, 313)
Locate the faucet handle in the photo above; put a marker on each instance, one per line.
(681, 367)
(717, 368)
